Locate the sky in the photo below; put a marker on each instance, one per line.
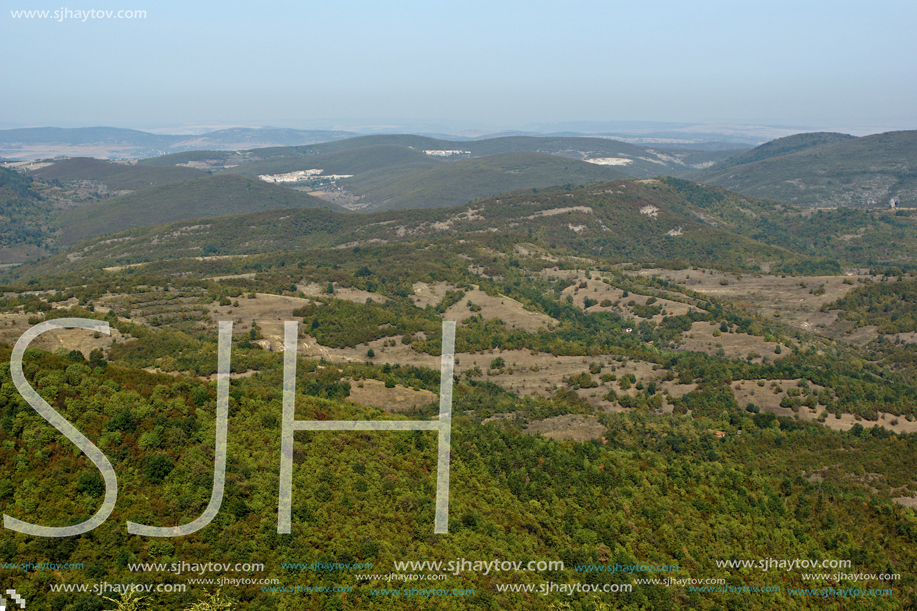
(505, 64)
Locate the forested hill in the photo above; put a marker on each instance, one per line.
(212, 196)
(115, 176)
(824, 170)
(25, 217)
(656, 220)
(459, 182)
(645, 220)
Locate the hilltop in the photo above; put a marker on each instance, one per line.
(824, 170)
(356, 160)
(212, 196)
(115, 176)
(366, 173)
(785, 146)
(408, 171)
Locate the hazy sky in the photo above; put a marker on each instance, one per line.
(467, 65)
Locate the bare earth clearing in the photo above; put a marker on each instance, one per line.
(397, 399)
(12, 326)
(569, 426)
(791, 299)
(752, 348)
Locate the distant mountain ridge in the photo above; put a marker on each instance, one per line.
(113, 142)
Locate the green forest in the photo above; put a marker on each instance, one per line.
(657, 491)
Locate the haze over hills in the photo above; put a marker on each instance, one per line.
(636, 160)
(824, 170)
(467, 336)
(111, 142)
(356, 160)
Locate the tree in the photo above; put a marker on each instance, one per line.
(216, 602)
(129, 602)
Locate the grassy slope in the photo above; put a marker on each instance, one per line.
(849, 172)
(202, 198)
(116, 176)
(185, 157)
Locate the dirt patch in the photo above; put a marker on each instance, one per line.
(701, 338)
(397, 399)
(769, 396)
(355, 295)
(897, 424)
(906, 501)
(430, 294)
(212, 377)
(675, 390)
(12, 326)
(505, 308)
(569, 426)
(861, 336)
(609, 298)
(526, 373)
(771, 393)
(795, 300)
(268, 311)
